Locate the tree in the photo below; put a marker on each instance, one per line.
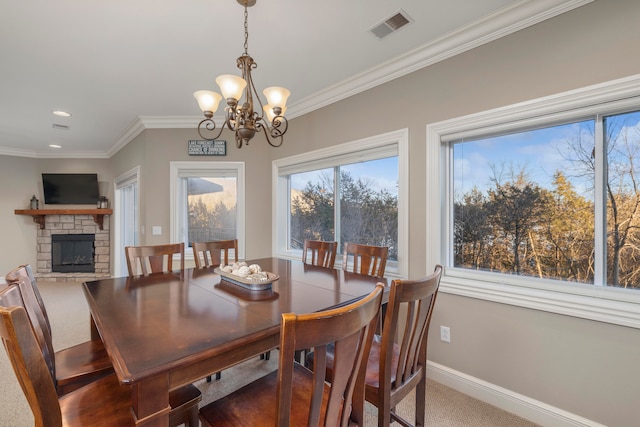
(367, 216)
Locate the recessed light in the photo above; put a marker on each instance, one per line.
(61, 113)
(55, 146)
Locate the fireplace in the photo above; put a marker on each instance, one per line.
(72, 253)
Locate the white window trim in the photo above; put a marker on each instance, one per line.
(174, 174)
(599, 303)
(280, 208)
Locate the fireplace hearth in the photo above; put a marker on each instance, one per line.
(72, 253)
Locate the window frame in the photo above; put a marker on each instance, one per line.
(178, 169)
(362, 149)
(593, 302)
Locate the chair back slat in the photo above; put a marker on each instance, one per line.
(27, 359)
(418, 297)
(147, 260)
(211, 254)
(322, 253)
(366, 259)
(26, 270)
(23, 279)
(351, 328)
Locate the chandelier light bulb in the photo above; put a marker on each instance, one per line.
(207, 100)
(277, 96)
(231, 86)
(268, 110)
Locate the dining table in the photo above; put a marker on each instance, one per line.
(166, 330)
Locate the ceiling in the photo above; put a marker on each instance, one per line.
(123, 66)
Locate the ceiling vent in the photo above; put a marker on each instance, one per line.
(392, 24)
(60, 127)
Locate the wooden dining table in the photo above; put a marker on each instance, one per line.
(167, 330)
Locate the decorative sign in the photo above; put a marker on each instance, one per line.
(217, 147)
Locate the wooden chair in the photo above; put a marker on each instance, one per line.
(397, 365)
(369, 260)
(295, 396)
(71, 367)
(208, 254)
(323, 254)
(153, 259)
(101, 402)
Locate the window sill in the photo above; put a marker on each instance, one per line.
(602, 304)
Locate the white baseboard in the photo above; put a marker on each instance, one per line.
(523, 406)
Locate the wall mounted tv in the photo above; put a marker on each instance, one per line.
(70, 188)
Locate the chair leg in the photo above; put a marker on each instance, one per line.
(218, 376)
(421, 395)
(194, 420)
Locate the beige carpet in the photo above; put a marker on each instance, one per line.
(69, 316)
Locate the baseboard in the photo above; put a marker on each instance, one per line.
(523, 406)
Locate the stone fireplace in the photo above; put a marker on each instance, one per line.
(65, 242)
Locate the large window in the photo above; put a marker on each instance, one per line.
(544, 196)
(524, 202)
(349, 193)
(207, 201)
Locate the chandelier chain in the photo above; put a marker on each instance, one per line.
(246, 30)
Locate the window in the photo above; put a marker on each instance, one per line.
(207, 200)
(353, 192)
(542, 203)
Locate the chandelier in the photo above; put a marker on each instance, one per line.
(240, 117)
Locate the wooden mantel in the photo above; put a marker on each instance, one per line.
(39, 214)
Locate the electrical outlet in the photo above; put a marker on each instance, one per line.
(445, 334)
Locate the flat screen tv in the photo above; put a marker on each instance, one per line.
(70, 188)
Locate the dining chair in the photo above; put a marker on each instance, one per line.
(211, 254)
(367, 259)
(295, 396)
(397, 362)
(323, 254)
(71, 367)
(153, 259)
(103, 402)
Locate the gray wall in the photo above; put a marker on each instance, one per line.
(584, 367)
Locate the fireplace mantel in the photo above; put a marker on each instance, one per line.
(39, 214)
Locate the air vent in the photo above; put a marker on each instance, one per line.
(60, 127)
(391, 24)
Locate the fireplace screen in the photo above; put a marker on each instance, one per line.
(72, 253)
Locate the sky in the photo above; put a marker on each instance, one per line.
(382, 173)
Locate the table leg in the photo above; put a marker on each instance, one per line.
(95, 335)
(150, 402)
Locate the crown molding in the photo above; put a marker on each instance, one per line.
(502, 23)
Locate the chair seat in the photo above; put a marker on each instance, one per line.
(80, 364)
(372, 378)
(106, 403)
(253, 404)
(111, 403)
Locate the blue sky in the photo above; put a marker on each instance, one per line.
(539, 152)
(382, 173)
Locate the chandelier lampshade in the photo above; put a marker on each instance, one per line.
(241, 116)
